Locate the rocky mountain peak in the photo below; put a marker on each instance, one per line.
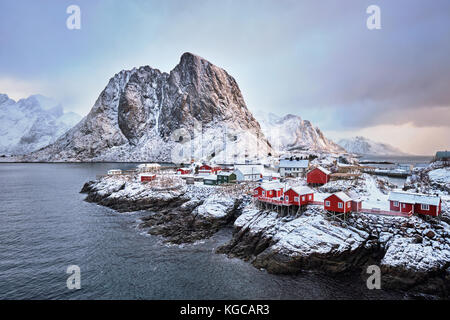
(141, 109)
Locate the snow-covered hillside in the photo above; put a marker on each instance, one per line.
(292, 133)
(197, 110)
(32, 123)
(362, 145)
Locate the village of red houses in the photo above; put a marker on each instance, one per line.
(295, 183)
(315, 211)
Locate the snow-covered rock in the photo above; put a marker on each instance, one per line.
(291, 133)
(143, 114)
(215, 207)
(362, 145)
(32, 123)
(181, 213)
(441, 176)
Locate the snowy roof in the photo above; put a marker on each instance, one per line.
(270, 174)
(341, 195)
(286, 163)
(413, 198)
(184, 168)
(302, 190)
(271, 186)
(224, 173)
(323, 170)
(147, 175)
(210, 177)
(246, 169)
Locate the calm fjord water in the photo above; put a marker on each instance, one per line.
(46, 226)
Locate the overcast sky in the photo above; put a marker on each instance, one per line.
(316, 59)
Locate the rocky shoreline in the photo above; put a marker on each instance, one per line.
(180, 214)
(413, 254)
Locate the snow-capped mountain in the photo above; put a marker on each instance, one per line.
(292, 133)
(32, 123)
(362, 145)
(143, 114)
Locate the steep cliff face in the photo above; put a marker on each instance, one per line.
(147, 115)
(292, 133)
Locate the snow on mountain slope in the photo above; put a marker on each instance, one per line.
(143, 114)
(291, 133)
(31, 123)
(362, 145)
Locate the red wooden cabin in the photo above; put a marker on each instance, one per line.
(338, 202)
(146, 177)
(206, 169)
(318, 175)
(184, 171)
(408, 202)
(269, 190)
(299, 195)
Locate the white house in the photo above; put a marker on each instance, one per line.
(114, 172)
(248, 172)
(148, 167)
(293, 168)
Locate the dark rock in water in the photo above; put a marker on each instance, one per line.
(87, 187)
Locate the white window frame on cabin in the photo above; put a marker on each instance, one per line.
(286, 198)
(303, 198)
(296, 199)
(263, 193)
(327, 203)
(404, 206)
(310, 197)
(340, 205)
(396, 204)
(425, 207)
(348, 204)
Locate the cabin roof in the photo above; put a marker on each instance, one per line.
(301, 190)
(210, 177)
(271, 186)
(225, 173)
(286, 163)
(413, 198)
(246, 170)
(323, 170)
(341, 195)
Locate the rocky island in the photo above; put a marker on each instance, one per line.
(413, 253)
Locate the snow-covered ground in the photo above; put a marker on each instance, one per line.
(375, 198)
(441, 175)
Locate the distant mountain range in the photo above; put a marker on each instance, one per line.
(362, 145)
(144, 114)
(293, 134)
(32, 123)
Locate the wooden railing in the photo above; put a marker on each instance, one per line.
(273, 201)
(386, 212)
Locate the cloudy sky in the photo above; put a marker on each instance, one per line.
(316, 59)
